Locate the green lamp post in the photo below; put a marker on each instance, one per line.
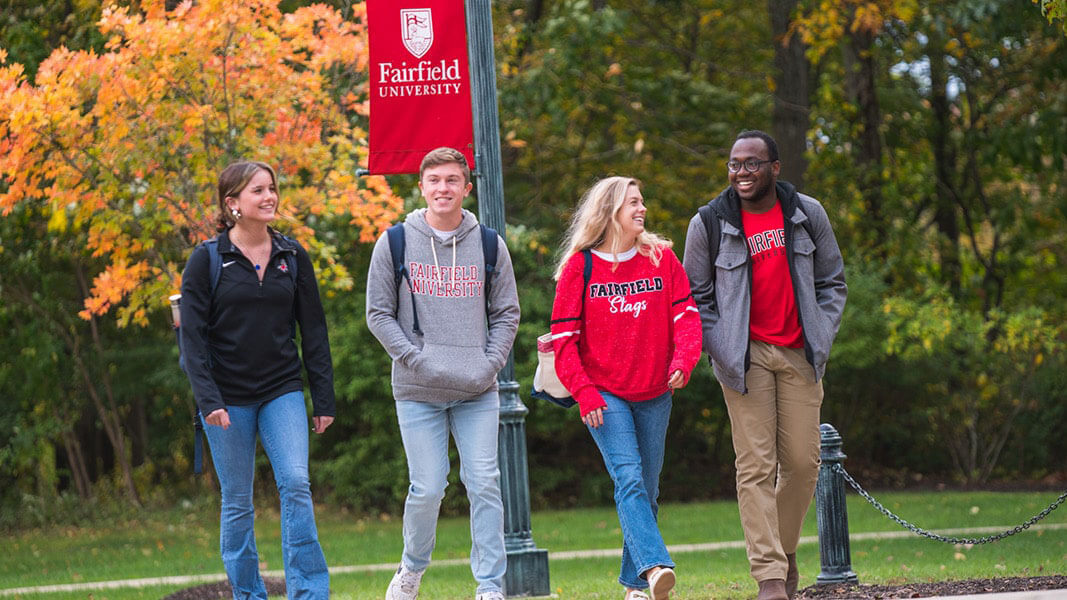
(527, 572)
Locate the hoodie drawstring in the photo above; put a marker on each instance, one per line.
(433, 248)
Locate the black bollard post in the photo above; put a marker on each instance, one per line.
(831, 513)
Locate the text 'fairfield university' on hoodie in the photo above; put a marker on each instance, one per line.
(636, 325)
(461, 348)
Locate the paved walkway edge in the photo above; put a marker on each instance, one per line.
(568, 555)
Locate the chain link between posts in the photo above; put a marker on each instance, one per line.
(839, 468)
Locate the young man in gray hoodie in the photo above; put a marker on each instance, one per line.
(447, 348)
(770, 304)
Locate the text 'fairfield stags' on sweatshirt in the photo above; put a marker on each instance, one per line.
(461, 347)
(636, 325)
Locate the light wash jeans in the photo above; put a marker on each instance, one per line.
(282, 427)
(632, 441)
(474, 424)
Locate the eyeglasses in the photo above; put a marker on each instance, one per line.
(751, 165)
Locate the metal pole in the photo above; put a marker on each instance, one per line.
(831, 513)
(527, 571)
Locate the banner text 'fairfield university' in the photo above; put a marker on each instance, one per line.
(420, 95)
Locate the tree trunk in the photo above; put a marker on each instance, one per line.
(76, 459)
(860, 78)
(790, 120)
(946, 193)
(109, 413)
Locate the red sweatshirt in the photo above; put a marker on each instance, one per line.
(638, 325)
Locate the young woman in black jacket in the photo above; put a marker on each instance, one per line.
(238, 323)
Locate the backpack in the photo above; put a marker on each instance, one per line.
(398, 245)
(545, 379)
(215, 268)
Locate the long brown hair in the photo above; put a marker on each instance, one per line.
(597, 211)
(232, 180)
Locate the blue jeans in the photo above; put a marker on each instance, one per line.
(631, 441)
(474, 424)
(282, 427)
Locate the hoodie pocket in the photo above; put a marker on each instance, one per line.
(461, 368)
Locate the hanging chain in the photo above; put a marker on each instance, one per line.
(839, 468)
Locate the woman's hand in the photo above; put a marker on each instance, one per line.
(321, 423)
(594, 418)
(676, 381)
(219, 417)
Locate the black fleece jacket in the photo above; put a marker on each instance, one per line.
(238, 346)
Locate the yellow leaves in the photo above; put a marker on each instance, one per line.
(58, 221)
(124, 147)
(867, 18)
(825, 23)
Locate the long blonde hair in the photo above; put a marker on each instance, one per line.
(597, 212)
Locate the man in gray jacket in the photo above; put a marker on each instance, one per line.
(770, 286)
(433, 324)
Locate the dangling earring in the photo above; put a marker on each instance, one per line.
(236, 213)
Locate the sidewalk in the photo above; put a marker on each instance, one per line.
(552, 557)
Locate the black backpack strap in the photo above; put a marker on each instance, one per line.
(714, 230)
(489, 250)
(397, 248)
(587, 274)
(198, 443)
(215, 269)
(214, 263)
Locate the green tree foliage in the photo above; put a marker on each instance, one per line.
(31, 29)
(937, 143)
(978, 371)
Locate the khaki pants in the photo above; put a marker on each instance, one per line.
(776, 439)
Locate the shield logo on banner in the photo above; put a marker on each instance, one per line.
(417, 30)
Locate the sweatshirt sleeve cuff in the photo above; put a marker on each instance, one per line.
(679, 366)
(589, 400)
(206, 408)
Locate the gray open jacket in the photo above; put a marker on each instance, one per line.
(461, 348)
(724, 300)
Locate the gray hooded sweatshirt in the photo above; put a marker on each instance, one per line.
(460, 349)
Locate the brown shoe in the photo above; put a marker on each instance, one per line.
(792, 575)
(772, 589)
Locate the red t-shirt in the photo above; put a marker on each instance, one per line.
(637, 325)
(773, 316)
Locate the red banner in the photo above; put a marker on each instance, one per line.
(420, 96)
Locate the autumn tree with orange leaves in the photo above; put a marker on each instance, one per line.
(114, 157)
(124, 146)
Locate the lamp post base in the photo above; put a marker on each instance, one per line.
(527, 573)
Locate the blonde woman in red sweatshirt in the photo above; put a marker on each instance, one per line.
(624, 342)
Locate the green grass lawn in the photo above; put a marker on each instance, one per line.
(185, 542)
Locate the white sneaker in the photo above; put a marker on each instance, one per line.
(405, 584)
(490, 596)
(660, 583)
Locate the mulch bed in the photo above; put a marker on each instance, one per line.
(938, 588)
(221, 590)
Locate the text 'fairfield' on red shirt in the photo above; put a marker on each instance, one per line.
(774, 306)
